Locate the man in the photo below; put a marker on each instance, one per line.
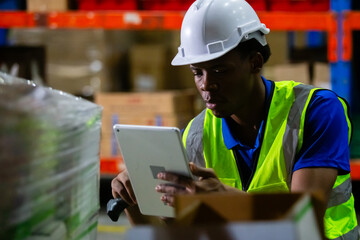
(255, 135)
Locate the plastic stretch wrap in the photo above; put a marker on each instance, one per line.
(49, 163)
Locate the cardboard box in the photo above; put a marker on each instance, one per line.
(148, 102)
(322, 75)
(166, 108)
(47, 5)
(240, 216)
(298, 72)
(278, 42)
(77, 61)
(184, 76)
(109, 145)
(150, 67)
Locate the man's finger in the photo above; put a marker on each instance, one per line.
(121, 187)
(124, 179)
(168, 199)
(170, 188)
(118, 190)
(202, 172)
(175, 178)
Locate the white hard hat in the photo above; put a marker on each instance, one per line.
(211, 28)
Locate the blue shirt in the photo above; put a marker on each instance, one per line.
(325, 142)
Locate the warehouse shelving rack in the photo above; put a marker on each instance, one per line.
(338, 25)
(171, 20)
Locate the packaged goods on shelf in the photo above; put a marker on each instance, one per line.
(24, 61)
(164, 108)
(258, 5)
(298, 72)
(278, 42)
(107, 4)
(299, 5)
(75, 60)
(150, 67)
(165, 4)
(47, 5)
(49, 180)
(321, 77)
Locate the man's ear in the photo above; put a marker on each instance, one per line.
(257, 62)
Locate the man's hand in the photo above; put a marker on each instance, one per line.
(178, 184)
(121, 187)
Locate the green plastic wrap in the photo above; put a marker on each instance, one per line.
(49, 163)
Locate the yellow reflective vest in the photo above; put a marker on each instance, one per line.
(282, 139)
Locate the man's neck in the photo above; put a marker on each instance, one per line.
(252, 114)
(248, 120)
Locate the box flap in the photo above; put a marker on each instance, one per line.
(233, 207)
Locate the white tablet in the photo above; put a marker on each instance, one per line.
(146, 151)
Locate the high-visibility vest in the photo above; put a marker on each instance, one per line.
(282, 139)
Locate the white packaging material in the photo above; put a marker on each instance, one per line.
(49, 158)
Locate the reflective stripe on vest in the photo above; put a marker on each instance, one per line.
(283, 139)
(193, 140)
(292, 131)
(351, 235)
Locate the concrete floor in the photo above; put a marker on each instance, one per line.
(109, 230)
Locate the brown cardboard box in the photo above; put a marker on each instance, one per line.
(232, 207)
(286, 216)
(298, 72)
(183, 74)
(150, 67)
(278, 42)
(156, 119)
(75, 60)
(109, 146)
(172, 101)
(322, 75)
(166, 108)
(47, 5)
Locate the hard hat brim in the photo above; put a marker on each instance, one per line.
(180, 61)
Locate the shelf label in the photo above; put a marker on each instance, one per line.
(132, 18)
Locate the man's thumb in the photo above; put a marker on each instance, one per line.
(201, 172)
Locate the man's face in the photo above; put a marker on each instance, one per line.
(225, 83)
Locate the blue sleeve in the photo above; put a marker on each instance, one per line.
(182, 131)
(325, 142)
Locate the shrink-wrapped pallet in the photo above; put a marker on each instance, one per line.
(49, 158)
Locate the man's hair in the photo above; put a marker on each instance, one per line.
(252, 46)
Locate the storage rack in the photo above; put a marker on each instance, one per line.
(338, 25)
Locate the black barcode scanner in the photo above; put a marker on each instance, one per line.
(115, 207)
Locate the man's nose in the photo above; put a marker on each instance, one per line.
(208, 83)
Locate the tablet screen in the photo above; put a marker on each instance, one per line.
(146, 151)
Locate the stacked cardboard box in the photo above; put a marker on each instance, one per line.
(47, 5)
(279, 216)
(75, 60)
(165, 108)
(298, 72)
(150, 68)
(322, 75)
(49, 180)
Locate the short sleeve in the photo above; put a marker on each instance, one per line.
(325, 142)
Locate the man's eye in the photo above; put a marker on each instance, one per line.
(197, 73)
(219, 70)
